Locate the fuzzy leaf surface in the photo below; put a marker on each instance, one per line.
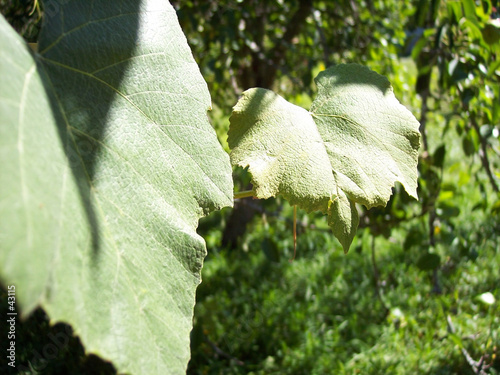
(371, 139)
(283, 149)
(108, 161)
(353, 145)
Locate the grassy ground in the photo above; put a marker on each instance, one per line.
(399, 303)
(333, 313)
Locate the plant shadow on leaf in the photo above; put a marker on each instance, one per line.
(363, 77)
(258, 104)
(82, 91)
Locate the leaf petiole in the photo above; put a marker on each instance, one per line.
(244, 194)
(294, 233)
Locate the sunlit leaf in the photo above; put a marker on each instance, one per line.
(108, 161)
(353, 145)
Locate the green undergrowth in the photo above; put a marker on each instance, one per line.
(326, 312)
(322, 312)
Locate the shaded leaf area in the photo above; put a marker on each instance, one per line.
(353, 145)
(281, 145)
(48, 349)
(109, 163)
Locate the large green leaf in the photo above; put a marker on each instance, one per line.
(353, 145)
(108, 161)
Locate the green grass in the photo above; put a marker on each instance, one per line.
(322, 314)
(327, 313)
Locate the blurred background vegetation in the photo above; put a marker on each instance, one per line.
(418, 292)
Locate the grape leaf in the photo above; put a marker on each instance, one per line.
(108, 161)
(353, 145)
(281, 144)
(371, 139)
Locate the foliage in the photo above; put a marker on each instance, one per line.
(352, 146)
(432, 260)
(100, 190)
(256, 43)
(420, 291)
(24, 16)
(323, 314)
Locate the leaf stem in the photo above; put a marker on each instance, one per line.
(244, 194)
(294, 233)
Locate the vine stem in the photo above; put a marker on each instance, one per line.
(244, 194)
(294, 233)
(483, 155)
